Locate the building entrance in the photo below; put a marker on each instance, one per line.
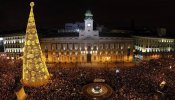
(88, 58)
(89, 55)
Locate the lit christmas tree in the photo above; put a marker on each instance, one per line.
(35, 72)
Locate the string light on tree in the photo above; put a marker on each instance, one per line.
(35, 72)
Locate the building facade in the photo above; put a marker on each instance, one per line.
(73, 49)
(13, 45)
(152, 48)
(89, 45)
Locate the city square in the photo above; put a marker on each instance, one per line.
(139, 82)
(85, 61)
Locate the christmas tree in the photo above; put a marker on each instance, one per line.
(35, 72)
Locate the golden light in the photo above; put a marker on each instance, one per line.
(108, 58)
(35, 72)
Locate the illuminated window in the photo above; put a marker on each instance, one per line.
(21, 50)
(121, 47)
(116, 52)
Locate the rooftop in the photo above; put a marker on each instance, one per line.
(49, 33)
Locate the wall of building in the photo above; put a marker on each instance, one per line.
(13, 46)
(74, 50)
(153, 48)
(103, 49)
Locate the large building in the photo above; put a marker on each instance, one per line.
(152, 47)
(13, 45)
(89, 45)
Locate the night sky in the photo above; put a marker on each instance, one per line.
(110, 13)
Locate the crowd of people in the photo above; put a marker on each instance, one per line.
(140, 82)
(10, 74)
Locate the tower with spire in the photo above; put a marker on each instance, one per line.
(88, 32)
(35, 72)
(88, 21)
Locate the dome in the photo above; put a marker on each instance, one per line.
(88, 13)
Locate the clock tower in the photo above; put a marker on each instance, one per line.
(88, 21)
(88, 31)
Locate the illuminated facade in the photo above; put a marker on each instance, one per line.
(153, 48)
(34, 72)
(13, 45)
(88, 46)
(73, 49)
(88, 31)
